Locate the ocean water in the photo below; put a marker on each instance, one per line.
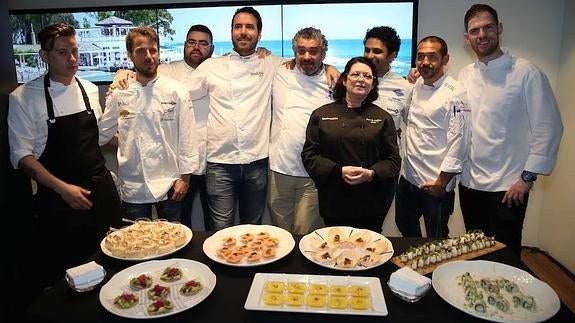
(339, 51)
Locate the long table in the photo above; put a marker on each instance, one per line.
(226, 302)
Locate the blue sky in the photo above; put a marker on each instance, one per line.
(336, 21)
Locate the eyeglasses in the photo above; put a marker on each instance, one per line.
(200, 43)
(356, 75)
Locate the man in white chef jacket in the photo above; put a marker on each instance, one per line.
(296, 93)
(516, 129)
(381, 45)
(156, 149)
(197, 48)
(435, 145)
(239, 89)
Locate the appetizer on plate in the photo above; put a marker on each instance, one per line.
(171, 274)
(191, 287)
(158, 292)
(126, 300)
(160, 306)
(141, 282)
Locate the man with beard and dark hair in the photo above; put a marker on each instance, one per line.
(198, 47)
(239, 90)
(515, 127)
(156, 152)
(435, 145)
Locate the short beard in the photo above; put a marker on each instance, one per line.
(147, 73)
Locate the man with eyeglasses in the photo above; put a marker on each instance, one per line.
(296, 93)
(435, 145)
(381, 46)
(197, 48)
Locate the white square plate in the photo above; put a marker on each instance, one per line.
(255, 299)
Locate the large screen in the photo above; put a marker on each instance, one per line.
(101, 34)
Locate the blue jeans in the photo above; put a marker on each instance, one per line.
(412, 202)
(197, 186)
(167, 209)
(231, 186)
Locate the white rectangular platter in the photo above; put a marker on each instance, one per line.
(301, 303)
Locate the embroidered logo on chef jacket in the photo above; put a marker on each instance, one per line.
(373, 121)
(125, 114)
(168, 114)
(260, 74)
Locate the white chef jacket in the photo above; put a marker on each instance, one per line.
(154, 145)
(394, 95)
(295, 96)
(181, 71)
(515, 123)
(27, 114)
(239, 91)
(436, 132)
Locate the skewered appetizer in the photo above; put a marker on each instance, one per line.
(437, 251)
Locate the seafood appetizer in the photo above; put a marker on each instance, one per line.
(346, 248)
(145, 238)
(141, 282)
(251, 246)
(191, 287)
(171, 274)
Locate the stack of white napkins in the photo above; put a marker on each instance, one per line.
(86, 275)
(409, 282)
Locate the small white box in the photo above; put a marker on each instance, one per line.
(85, 275)
(409, 281)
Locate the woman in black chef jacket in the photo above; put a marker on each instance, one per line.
(351, 151)
(53, 137)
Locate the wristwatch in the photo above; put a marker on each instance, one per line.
(528, 177)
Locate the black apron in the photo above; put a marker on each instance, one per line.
(73, 155)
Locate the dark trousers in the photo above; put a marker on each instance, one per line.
(411, 203)
(485, 211)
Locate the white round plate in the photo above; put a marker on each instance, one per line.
(307, 249)
(187, 230)
(445, 281)
(191, 270)
(215, 242)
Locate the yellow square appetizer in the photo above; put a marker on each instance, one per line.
(294, 299)
(273, 299)
(360, 303)
(317, 289)
(296, 288)
(315, 300)
(359, 290)
(338, 290)
(338, 302)
(275, 287)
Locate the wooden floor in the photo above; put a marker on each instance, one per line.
(551, 272)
